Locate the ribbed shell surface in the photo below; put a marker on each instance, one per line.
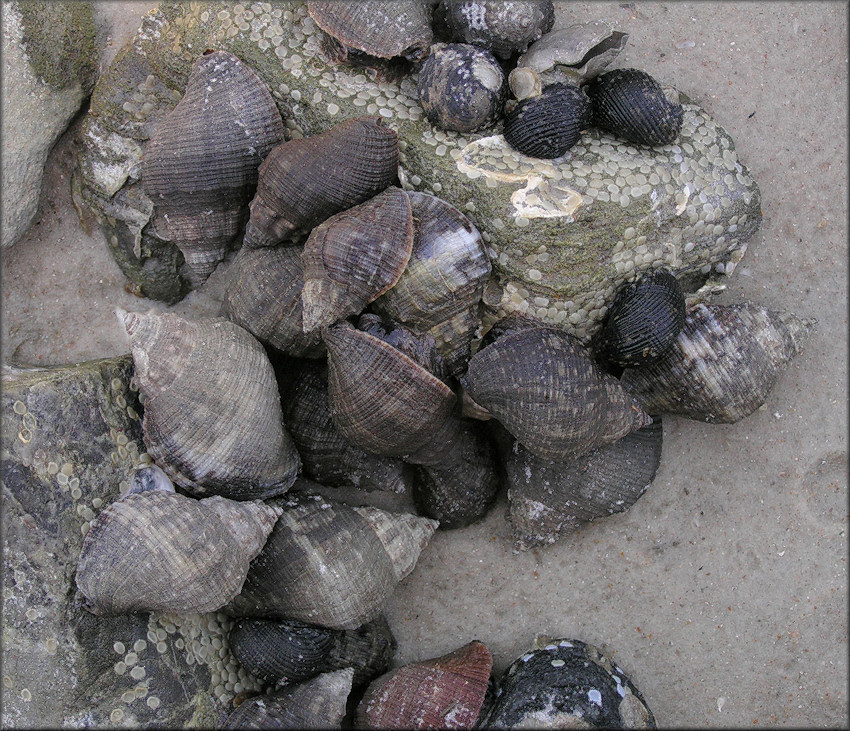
(503, 27)
(644, 321)
(631, 104)
(547, 126)
(550, 499)
(263, 295)
(355, 256)
(212, 417)
(330, 564)
(200, 167)
(461, 88)
(317, 703)
(723, 365)
(382, 28)
(567, 684)
(444, 692)
(164, 552)
(305, 181)
(283, 652)
(541, 384)
(380, 399)
(327, 456)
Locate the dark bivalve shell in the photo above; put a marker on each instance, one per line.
(542, 385)
(283, 652)
(444, 692)
(549, 500)
(566, 684)
(200, 166)
(316, 703)
(548, 125)
(644, 321)
(723, 364)
(629, 103)
(461, 88)
(212, 417)
(502, 27)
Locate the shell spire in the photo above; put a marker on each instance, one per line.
(403, 536)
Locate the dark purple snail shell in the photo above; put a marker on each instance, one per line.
(631, 104)
(462, 88)
(645, 319)
(547, 126)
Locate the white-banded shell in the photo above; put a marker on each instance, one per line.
(330, 564)
(165, 552)
(200, 167)
(723, 365)
(212, 418)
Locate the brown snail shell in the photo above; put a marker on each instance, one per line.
(381, 400)
(551, 499)
(544, 388)
(281, 652)
(355, 256)
(327, 456)
(330, 564)
(380, 28)
(165, 552)
(502, 27)
(304, 181)
(566, 684)
(316, 703)
(441, 286)
(723, 365)
(443, 692)
(263, 295)
(200, 166)
(212, 418)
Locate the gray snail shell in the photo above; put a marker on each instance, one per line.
(327, 456)
(382, 400)
(549, 500)
(316, 703)
(502, 27)
(545, 389)
(200, 167)
(723, 365)
(548, 125)
(631, 104)
(330, 564)
(304, 181)
(212, 418)
(380, 28)
(644, 321)
(442, 692)
(281, 652)
(461, 88)
(263, 295)
(162, 551)
(565, 684)
(355, 256)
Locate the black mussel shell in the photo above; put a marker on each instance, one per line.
(629, 103)
(461, 88)
(548, 125)
(566, 684)
(645, 319)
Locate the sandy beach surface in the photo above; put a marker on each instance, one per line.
(723, 592)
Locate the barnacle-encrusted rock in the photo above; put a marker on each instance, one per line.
(71, 441)
(563, 236)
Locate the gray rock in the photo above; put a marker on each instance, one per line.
(563, 235)
(49, 69)
(71, 440)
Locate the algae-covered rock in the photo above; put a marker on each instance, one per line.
(563, 234)
(71, 439)
(49, 68)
